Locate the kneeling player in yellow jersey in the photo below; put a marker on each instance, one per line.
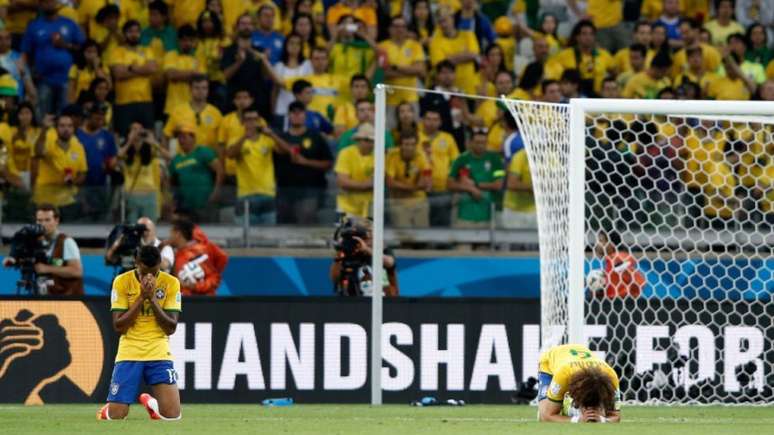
(575, 386)
(145, 304)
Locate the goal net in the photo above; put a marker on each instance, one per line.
(656, 241)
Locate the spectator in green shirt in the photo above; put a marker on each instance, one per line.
(196, 175)
(477, 177)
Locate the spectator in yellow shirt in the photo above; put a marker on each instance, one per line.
(689, 29)
(607, 16)
(642, 35)
(85, 70)
(409, 177)
(355, 173)
(519, 202)
(196, 111)
(405, 63)
(179, 67)
(209, 50)
(459, 48)
(649, 83)
(59, 166)
(724, 24)
(440, 149)
(734, 86)
(143, 177)
(22, 142)
(132, 67)
(695, 72)
(352, 52)
(326, 86)
(355, 8)
(345, 117)
(637, 62)
(592, 63)
(231, 129)
(253, 154)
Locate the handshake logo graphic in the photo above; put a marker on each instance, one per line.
(37, 358)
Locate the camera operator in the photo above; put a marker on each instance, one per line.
(351, 269)
(61, 273)
(124, 245)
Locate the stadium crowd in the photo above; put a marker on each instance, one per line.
(215, 108)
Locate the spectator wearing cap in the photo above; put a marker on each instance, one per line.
(405, 63)
(206, 117)
(504, 30)
(10, 60)
(301, 175)
(253, 153)
(100, 148)
(196, 175)
(9, 94)
(142, 172)
(649, 83)
(264, 38)
(48, 44)
(179, 67)
(88, 67)
(132, 66)
(355, 173)
(59, 165)
(477, 176)
(364, 110)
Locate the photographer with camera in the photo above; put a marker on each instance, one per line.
(351, 269)
(50, 261)
(125, 240)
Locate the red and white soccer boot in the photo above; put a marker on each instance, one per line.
(151, 405)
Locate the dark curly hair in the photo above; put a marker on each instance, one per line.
(591, 387)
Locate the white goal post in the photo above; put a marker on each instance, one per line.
(676, 199)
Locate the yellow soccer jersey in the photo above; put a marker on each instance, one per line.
(357, 167)
(145, 340)
(255, 167)
(563, 361)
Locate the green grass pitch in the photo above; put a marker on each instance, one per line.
(389, 419)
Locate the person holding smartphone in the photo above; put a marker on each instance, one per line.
(141, 169)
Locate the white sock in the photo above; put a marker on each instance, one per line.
(171, 418)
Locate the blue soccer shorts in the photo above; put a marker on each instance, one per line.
(127, 375)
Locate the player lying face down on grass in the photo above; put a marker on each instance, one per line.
(575, 386)
(145, 303)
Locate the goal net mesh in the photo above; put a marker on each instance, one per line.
(678, 254)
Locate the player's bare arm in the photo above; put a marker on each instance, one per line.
(551, 412)
(167, 320)
(123, 320)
